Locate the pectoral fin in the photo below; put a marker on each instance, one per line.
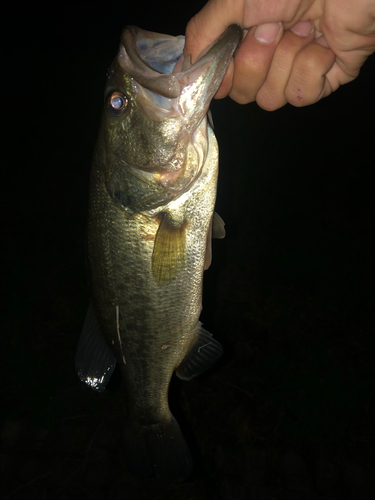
(169, 255)
(202, 356)
(95, 361)
(208, 255)
(216, 230)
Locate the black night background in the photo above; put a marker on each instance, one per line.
(288, 413)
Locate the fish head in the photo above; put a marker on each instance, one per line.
(156, 103)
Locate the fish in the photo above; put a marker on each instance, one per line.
(151, 219)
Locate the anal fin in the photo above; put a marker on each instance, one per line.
(202, 356)
(95, 360)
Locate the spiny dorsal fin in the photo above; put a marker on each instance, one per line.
(203, 354)
(169, 255)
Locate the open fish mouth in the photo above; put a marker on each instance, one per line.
(163, 102)
(151, 59)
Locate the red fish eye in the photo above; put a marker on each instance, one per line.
(117, 103)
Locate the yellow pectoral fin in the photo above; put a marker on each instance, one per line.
(169, 255)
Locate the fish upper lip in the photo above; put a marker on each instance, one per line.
(170, 85)
(131, 60)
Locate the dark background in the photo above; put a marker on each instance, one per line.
(288, 413)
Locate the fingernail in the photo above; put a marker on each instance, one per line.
(302, 28)
(266, 33)
(322, 41)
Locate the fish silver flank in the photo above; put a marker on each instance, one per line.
(151, 220)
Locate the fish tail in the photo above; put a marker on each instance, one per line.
(158, 449)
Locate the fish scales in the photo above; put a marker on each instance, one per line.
(151, 205)
(120, 254)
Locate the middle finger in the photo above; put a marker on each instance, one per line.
(252, 60)
(271, 95)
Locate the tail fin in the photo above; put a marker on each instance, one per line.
(158, 449)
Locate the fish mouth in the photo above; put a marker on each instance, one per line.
(156, 63)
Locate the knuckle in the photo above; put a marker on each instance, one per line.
(297, 98)
(240, 97)
(308, 75)
(269, 100)
(191, 28)
(301, 93)
(251, 63)
(306, 65)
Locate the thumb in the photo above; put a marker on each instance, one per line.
(206, 26)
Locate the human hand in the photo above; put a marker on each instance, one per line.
(296, 51)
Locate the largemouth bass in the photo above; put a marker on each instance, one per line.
(151, 219)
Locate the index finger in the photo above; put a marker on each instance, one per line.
(208, 24)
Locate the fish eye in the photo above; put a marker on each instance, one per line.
(117, 103)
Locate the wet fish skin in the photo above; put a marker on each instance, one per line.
(152, 195)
